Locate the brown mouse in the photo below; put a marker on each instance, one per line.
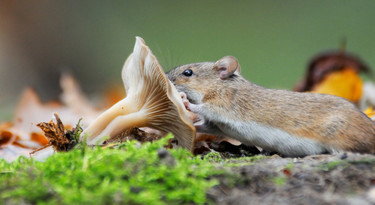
(291, 123)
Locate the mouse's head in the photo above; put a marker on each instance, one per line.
(195, 79)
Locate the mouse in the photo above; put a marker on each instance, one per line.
(293, 124)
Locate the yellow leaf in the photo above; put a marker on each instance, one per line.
(370, 112)
(343, 83)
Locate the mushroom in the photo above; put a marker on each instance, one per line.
(151, 101)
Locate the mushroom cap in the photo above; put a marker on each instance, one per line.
(151, 101)
(144, 78)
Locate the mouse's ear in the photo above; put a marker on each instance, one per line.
(226, 66)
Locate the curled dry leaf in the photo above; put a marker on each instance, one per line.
(58, 136)
(151, 101)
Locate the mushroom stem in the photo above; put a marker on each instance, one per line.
(119, 124)
(123, 107)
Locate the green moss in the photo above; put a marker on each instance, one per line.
(243, 161)
(362, 161)
(218, 159)
(289, 166)
(332, 165)
(213, 157)
(344, 163)
(279, 181)
(129, 174)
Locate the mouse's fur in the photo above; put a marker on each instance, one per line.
(291, 123)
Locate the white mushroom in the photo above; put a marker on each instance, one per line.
(151, 101)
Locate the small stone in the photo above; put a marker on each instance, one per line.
(371, 195)
(166, 157)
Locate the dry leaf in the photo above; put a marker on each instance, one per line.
(343, 83)
(370, 112)
(58, 136)
(23, 136)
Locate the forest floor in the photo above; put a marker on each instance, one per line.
(344, 178)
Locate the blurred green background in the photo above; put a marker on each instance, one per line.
(273, 40)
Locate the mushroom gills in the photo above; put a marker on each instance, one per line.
(151, 101)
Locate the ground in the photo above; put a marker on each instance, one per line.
(344, 178)
(135, 173)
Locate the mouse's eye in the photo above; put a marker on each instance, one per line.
(187, 72)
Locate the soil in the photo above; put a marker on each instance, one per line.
(345, 178)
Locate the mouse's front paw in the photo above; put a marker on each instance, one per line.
(185, 101)
(196, 108)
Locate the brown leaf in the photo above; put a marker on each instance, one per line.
(57, 136)
(37, 137)
(6, 138)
